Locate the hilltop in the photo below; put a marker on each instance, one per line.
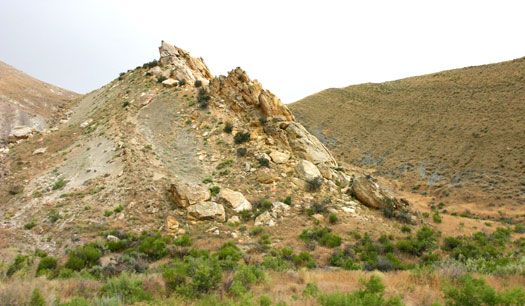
(28, 102)
(457, 136)
(171, 186)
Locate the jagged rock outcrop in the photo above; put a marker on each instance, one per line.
(243, 92)
(184, 194)
(368, 192)
(307, 146)
(182, 66)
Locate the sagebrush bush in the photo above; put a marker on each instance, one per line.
(372, 294)
(127, 288)
(322, 235)
(228, 127)
(241, 137)
(83, 257)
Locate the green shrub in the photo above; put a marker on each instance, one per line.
(228, 255)
(182, 82)
(424, 241)
(275, 263)
(288, 200)
(16, 265)
(108, 213)
(198, 83)
(184, 240)
(321, 235)
(224, 164)
(215, 190)
(228, 127)
(241, 137)
(29, 225)
(263, 162)
(436, 217)
(471, 291)
(345, 261)
(118, 209)
(406, 229)
(83, 257)
(127, 288)
(311, 290)
(193, 276)
(207, 180)
(154, 246)
(244, 278)
(333, 218)
(304, 259)
(241, 152)
(37, 299)
(314, 184)
(372, 294)
(46, 263)
(151, 64)
(161, 79)
(256, 231)
(77, 301)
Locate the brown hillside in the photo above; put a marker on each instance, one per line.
(457, 135)
(26, 101)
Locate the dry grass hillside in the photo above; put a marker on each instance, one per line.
(458, 135)
(26, 101)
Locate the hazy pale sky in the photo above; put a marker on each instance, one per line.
(294, 48)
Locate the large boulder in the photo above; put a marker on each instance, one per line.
(184, 194)
(207, 210)
(234, 199)
(307, 170)
(19, 132)
(307, 146)
(368, 192)
(279, 157)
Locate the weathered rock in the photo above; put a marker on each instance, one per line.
(264, 219)
(242, 92)
(234, 219)
(112, 238)
(39, 151)
(170, 83)
(172, 225)
(266, 177)
(19, 132)
(279, 209)
(307, 146)
(234, 199)
(307, 170)
(318, 217)
(279, 157)
(182, 65)
(368, 192)
(185, 195)
(207, 210)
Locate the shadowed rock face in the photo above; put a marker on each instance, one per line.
(26, 101)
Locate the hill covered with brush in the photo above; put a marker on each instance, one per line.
(456, 135)
(169, 186)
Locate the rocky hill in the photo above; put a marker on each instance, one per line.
(28, 104)
(457, 135)
(201, 187)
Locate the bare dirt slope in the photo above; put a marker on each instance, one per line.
(456, 135)
(26, 101)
